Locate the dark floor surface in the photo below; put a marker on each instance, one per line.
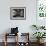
(13, 44)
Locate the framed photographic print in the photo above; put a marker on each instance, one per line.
(41, 8)
(41, 12)
(17, 13)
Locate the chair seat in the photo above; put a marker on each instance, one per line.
(9, 34)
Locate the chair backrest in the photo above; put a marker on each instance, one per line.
(14, 30)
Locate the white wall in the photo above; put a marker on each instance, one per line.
(24, 25)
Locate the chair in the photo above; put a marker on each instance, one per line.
(26, 41)
(14, 32)
(8, 36)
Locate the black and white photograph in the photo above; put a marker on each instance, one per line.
(17, 13)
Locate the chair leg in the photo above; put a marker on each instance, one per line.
(5, 39)
(5, 43)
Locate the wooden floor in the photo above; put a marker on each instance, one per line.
(13, 44)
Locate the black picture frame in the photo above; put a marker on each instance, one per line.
(17, 13)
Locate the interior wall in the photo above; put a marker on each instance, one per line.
(24, 25)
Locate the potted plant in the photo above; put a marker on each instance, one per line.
(39, 35)
(38, 27)
(35, 26)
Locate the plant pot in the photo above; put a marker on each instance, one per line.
(40, 41)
